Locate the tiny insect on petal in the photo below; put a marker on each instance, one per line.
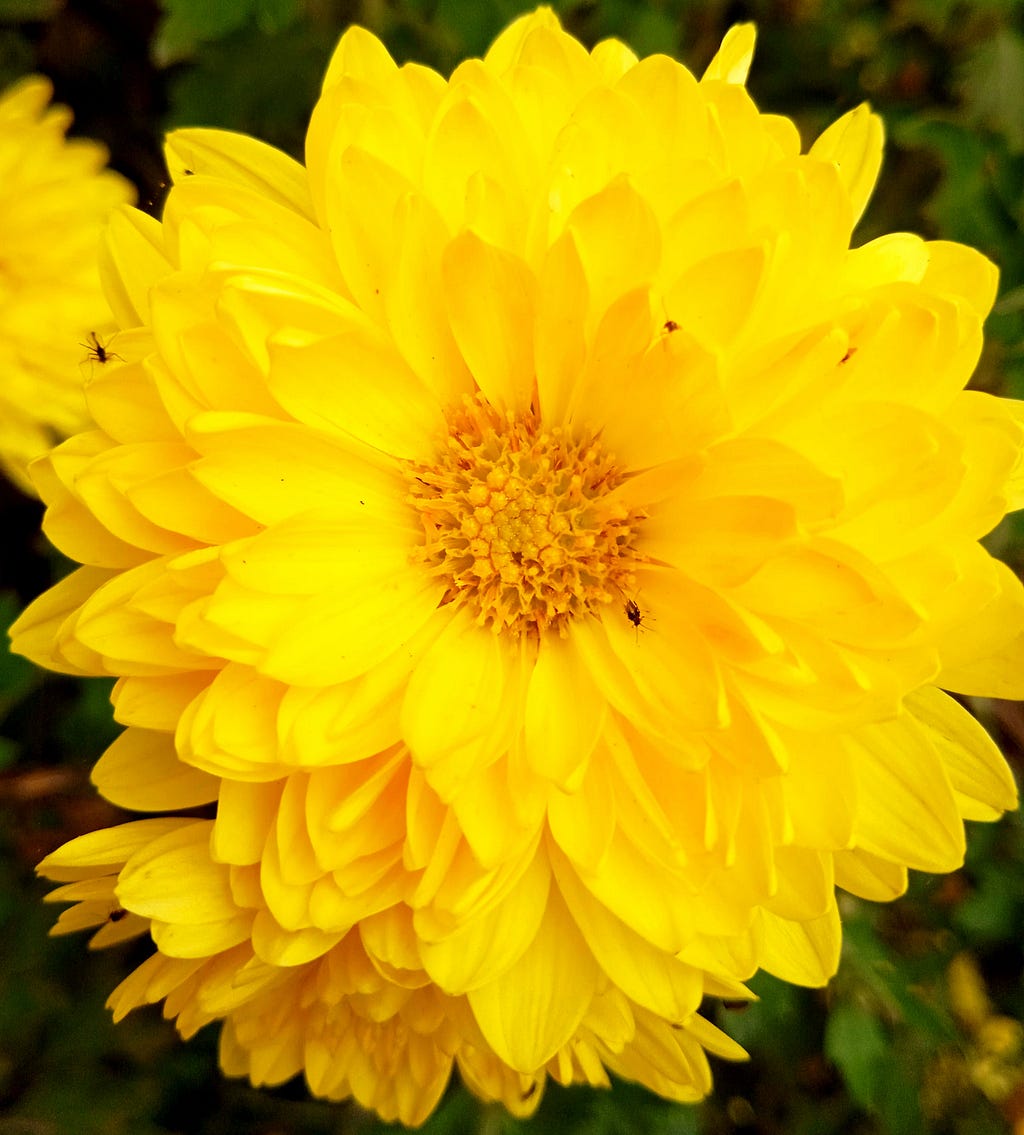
(98, 350)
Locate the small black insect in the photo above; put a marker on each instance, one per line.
(117, 915)
(98, 351)
(638, 618)
(670, 325)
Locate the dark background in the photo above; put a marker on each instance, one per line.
(900, 1043)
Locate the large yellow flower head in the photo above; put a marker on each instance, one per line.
(54, 197)
(547, 543)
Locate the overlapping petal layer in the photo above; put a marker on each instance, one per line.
(548, 543)
(54, 323)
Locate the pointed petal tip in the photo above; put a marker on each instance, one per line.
(854, 144)
(731, 63)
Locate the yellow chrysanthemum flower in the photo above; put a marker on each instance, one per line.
(546, 541)
(54, 196)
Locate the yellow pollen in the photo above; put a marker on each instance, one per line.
(519, 522)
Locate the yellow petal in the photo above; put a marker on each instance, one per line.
(613, 59)
(239, 159)
(534, 1007)
(461, 705)
(854, 144)
(478, 151)
(173, 879)
(722, 541)
(83, 916)
(713, 299)
(364, 192)
(288, 948)
(359, 55)
(494, 829)
(618, 240)
(821, 795)
(307, 470)
(869, 876)
(150, 982)
(121, 930)
(665, 1058)
(414, 301)
(245, 815)
(200, 940)
(358, 610)
(558, 744)
(733, 58)
(980, 777)
(631, 382)
(559, 346)
(131, 260)
(647, 975)
(143, 644)
(486, 947)
(906, 807)
(494, 336)
(156, 703)
(36, 633)
(648, 900)
(806, 884)
(805, 953)
(67, 522)
(986, 655)
(228, 729)
(713, 1039)
(583, 823)
(954, 269)
(105, 849)
(355, 383)
(141, 770)
(504, 51)
(102, 483)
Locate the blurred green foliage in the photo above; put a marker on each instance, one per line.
(893, 1046)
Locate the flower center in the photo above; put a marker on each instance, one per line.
(520, 523)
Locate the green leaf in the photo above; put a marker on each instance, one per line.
(473, 27)
(1011, 302)
(188, 23)
(17, 674)
(885, 975)
(899, 1101)
(856, 1044)
(990, 913)
(993, 85)
(231, 85)
(652, 30)
(273, 16)
(965, 206)
(775, 1023)
(12, 11)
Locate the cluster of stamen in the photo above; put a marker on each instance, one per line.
(519, 521)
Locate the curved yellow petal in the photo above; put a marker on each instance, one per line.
(854, 144)
(239, 159)
(142, 770)
(731, 62)
(529, 1012)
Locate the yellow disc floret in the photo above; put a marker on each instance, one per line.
(521, 522)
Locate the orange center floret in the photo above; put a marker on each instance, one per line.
(519, 522)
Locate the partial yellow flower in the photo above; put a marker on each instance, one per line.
(54, 196)
(547, 542)
(994, 1057)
